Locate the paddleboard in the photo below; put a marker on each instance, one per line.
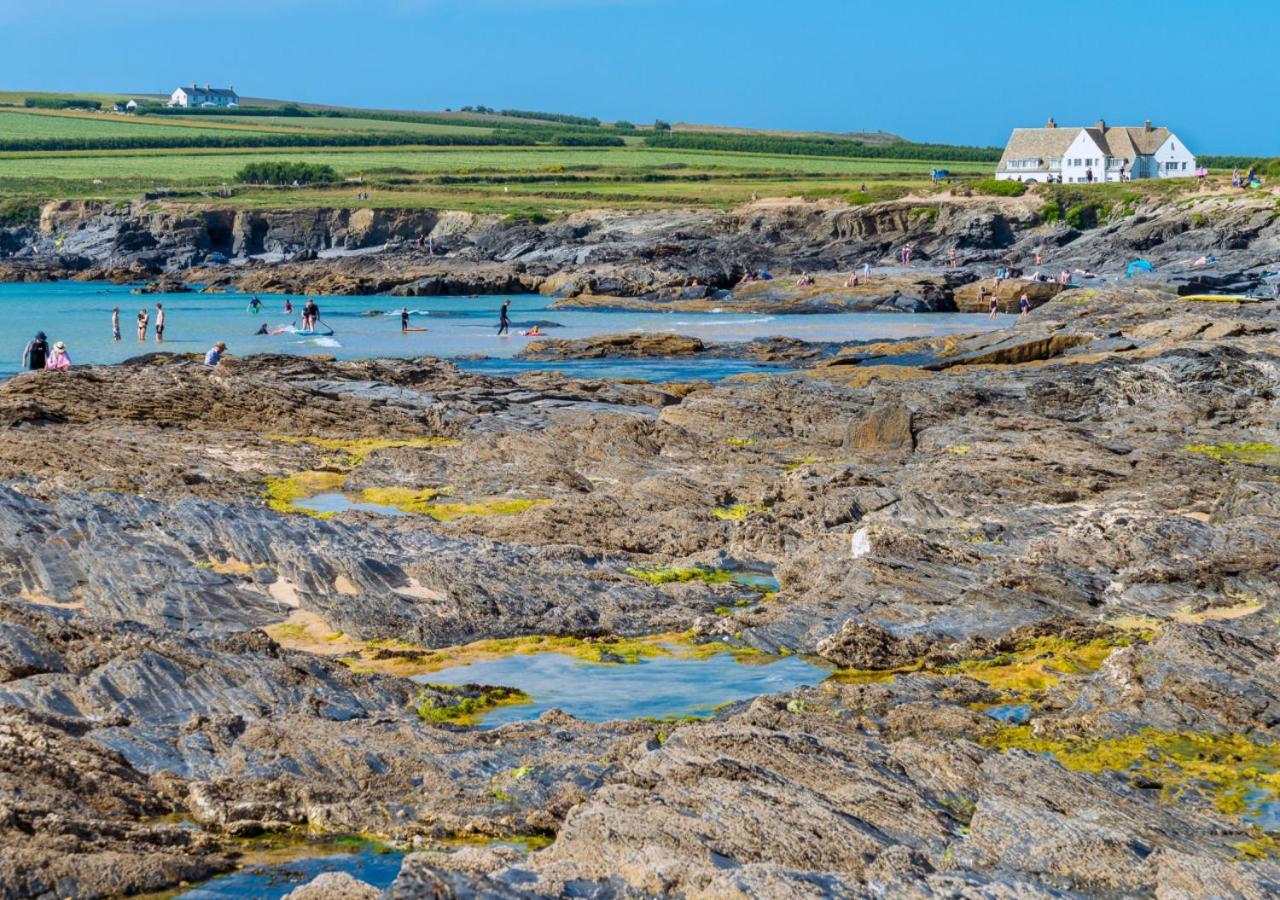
(413, 329)
(328, 333)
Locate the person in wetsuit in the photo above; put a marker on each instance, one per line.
(504, 323)
(404, 318)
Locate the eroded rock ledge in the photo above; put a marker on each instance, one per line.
(1046, 584)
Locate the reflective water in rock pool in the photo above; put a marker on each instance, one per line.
(337, 502)
(272, 880)
(1012, 714)
(657, 687)
(761, 581)
(79, 313)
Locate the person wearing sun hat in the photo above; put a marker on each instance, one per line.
(59, 359)
(36, 352)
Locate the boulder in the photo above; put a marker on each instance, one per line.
(334, 886)
(888, 427)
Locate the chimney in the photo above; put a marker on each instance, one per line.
(1051, 123)
(206, 85)
(1146, 126)
(1102, 124)
(193, 85)
(231, 88)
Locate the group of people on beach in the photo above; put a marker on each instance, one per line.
(144, 322)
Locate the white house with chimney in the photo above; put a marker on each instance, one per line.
(194, 95)
(1097, 154)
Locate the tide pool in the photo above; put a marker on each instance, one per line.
(79, 313)
(271, 881)
(655, 687)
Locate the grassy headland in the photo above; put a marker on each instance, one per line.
(513, 162)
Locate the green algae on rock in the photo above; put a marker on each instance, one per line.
(736, 512)
(471, 703)
(1252, 452)
(1236, 773)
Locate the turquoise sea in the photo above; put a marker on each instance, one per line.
(79, 313)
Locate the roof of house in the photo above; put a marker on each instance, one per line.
(208, 92)
(1038, 143)
(1051, 143)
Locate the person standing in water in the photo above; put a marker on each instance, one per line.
(115, 323)
(404, 319)
(143, 319)
(36, 353)
(255, 305)
(504, 323)
(288, 306)
(159, 324)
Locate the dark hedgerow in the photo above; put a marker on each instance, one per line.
(286, 173)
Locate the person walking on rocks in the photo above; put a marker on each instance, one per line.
(1024, 306)
(115, 323)
(995, 305)
(866, 270)
(504, 322)
(159, 324)
(214, 356)
(143, 320)
(36, 353)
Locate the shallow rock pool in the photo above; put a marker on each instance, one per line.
(271, 880)
(656, 687)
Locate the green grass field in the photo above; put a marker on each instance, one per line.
(546, 180)
(39, 124)
(322, 125)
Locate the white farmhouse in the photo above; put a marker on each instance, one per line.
(204, 96)
(1100, 153)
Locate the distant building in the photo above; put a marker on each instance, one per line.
(1100, 153)
(195, 95)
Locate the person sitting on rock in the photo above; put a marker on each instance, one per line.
(214, 356)
(59, 359)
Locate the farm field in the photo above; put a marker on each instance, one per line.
(218, 164)
(37, 124)
(320, 124)
(516, 180)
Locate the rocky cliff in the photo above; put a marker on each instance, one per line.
(649, 254)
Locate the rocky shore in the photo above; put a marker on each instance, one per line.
(1037, 570)
(682, 260)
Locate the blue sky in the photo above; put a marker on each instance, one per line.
(963, 72)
